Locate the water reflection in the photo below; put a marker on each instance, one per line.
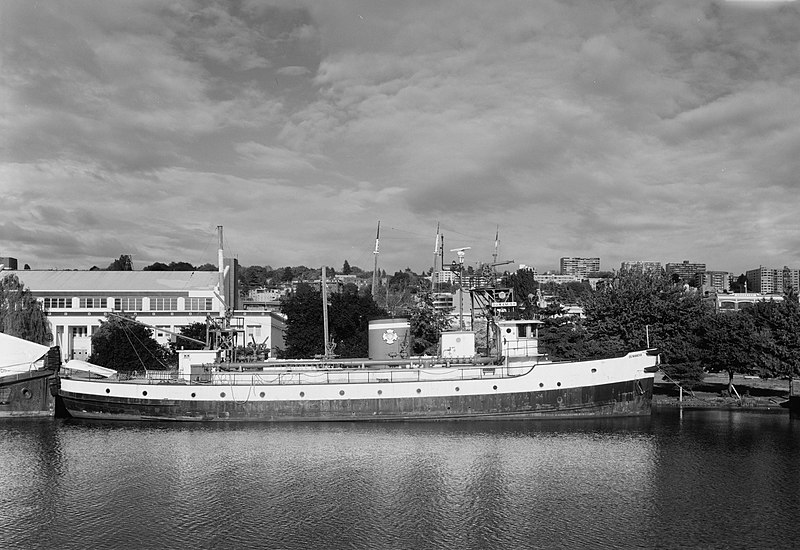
(709, 479)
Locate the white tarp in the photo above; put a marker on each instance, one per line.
(83, 366)
(18, 355)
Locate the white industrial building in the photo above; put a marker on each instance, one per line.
(77, 301)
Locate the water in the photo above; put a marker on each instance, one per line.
(700, 479)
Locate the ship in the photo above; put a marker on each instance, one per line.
(515, 381)
(27, 370)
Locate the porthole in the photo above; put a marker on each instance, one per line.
(458, 389)
(594, 370)
(494, 387)
(380, 392)
(144, 393)
(262, 394)
(558, 384)
(341, 392)
(302, 394)
(541, 384)
(559, 400)
(222, 394)
(419, 390)
(508, 330)
(26, 393)
(194, 395)
(108, 390)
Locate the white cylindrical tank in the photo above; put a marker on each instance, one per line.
(389, 338)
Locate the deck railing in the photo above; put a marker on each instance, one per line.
(327, 376)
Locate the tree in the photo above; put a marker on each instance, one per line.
(427, 324)
(21, 315)
(253, 277)
(562, 337)
(196, 331)
(346, 270)
(620, 316)
(304, 324)
(729, 344)
(349, 314)
(126, 346)
(740, 284)
(525, 286)
(124, 263)
(778, 324)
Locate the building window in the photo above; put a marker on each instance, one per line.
(128, 304)
(92, 303)
(58, 303)
(254, 332)
(80, 331)
(163, 304)
(198, 304)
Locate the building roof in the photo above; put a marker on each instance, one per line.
(119, 281)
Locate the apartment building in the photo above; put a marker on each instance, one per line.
(579, 267)
(644, 265)
(718, 280)
(685, 271)
(768, 280)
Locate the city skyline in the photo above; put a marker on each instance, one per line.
(662, 131)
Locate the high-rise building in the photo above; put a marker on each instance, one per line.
(685, 271)
(580, 267)
(718, 280)
(644, 265)
(791, 279)
(772, 281)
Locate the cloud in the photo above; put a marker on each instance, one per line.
(293, 71)
(666, 130)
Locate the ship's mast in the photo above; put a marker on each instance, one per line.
(375, 267)
(496, 244)
(435, 255)
(328, 353)
(221, 261)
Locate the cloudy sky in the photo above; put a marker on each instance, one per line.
(662, 130)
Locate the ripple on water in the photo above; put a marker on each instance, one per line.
(602, 484)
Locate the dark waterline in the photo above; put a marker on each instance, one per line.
(697, 479)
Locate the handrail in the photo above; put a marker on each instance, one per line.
(325, 376)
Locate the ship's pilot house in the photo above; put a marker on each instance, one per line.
(518, 337)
